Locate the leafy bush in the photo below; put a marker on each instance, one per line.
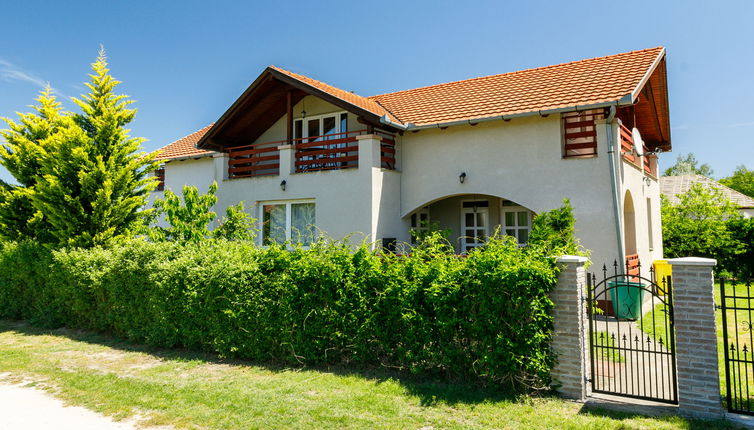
(742, 231)
(705, 223)
(484, 316)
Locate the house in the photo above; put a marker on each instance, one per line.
(472, 156)
(672, 186)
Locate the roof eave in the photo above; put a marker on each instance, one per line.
(635, 93)
(184, 157)
(625, 100)
(203, 143)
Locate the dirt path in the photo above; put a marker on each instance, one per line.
(25, 408)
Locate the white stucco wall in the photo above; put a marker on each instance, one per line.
(519, 160)
(644, 190)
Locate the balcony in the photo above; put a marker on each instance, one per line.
(648, 163)
(334, 151)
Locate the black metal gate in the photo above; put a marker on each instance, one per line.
(736, 306)
(631, 335)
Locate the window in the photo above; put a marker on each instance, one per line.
(321, 128)
(160, 174)
(580, 133)
(515, 221)
(419, 224)
(293, 222)
(474, 224)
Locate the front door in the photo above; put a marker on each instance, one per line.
(474, 224)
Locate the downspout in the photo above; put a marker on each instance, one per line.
(614, 184)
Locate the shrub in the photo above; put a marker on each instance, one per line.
(485, 316)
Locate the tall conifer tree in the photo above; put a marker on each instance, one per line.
(27, 142)
(91, 181)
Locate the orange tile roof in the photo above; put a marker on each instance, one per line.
(349, 97)
(185, 147)
(579, 83)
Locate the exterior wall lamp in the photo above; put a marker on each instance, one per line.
(462, 177)
(283, 184)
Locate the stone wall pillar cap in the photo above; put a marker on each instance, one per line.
(693, 261)
(571, 259)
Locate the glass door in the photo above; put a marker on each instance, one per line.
(474, 224)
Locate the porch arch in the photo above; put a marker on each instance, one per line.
(470, 218)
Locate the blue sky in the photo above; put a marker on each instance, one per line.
(185, 62)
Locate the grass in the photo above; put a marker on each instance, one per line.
(604, 342)
(739, 334)
(656, 323)
(197, 391)
(737, 322)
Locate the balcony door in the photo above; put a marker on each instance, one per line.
(321, 127)
(474, 224)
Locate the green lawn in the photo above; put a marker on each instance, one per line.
(195, 391)
(604, 342)
(737, 317)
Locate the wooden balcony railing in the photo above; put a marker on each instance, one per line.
(314, 153)
(387, 150)
(648, 163)
(259, 159)
(339, 151)
(627, 144)
(327, 152)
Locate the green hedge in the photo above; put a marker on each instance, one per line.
(486, 316)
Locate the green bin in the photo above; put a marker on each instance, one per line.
(627, 299)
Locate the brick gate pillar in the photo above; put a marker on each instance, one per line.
(569, 314)
(696, 338)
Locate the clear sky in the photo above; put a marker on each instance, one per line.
(185, 62)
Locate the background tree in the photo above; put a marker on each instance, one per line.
(742, 180)
(236, 225)
(189, 216)
(698, 226)
(687, 165)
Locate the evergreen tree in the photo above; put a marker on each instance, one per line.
(27, 142)
(81, 174)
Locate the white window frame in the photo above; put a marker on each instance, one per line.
(305, 121)
(465, 247)
(419, 227)
(515, 210)
(288, 217)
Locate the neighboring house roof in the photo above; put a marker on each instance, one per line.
(672, 186)
(185, 147)
(579, 83)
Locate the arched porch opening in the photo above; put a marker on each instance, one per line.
(469, 219)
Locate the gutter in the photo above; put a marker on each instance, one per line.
(626, 100)
(185, 157)
(614, 186)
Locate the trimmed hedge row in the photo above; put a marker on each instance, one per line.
(486, 316)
